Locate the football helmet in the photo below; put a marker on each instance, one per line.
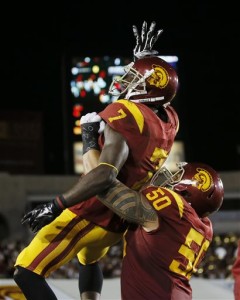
(198, 183)
(149, 80)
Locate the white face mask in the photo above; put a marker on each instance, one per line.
(163, 177)
(132, 83)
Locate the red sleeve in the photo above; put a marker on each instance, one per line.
(165, 202)
(123, 112)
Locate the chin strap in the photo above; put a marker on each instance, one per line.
(147, 100)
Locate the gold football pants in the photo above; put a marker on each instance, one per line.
(60, 241)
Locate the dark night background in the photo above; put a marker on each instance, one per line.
(38, 41)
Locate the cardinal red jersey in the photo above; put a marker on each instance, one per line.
(158, 265)
(149, 140)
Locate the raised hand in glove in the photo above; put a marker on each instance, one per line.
(145, 42)
(44, 214)
(91, 125)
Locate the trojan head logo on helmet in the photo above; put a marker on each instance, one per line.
(198, 183)
(203, 179)
(159, 78)
(149, 80)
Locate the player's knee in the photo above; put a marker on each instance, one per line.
(18, 275)
(22, 275)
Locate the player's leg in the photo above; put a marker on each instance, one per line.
(90, 273)
(90, 281)
(53, 246)
(28, 281)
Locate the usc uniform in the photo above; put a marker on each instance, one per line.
(88, 229)
(160, 263)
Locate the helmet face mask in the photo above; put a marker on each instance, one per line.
(166, 178)
(149, 80)
(198, 183)
(130, 84)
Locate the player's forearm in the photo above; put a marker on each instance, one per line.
(89, 185)
(90, 160)
(127, 204)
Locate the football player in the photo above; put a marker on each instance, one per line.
(170, 231)
(140, 129)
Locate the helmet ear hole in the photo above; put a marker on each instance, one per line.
(211, 195)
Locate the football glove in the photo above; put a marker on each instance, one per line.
(43, 214)
(93, 117)
(145, 42)
(91, 125)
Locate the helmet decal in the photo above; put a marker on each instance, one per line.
(203, 179)
(159, 77)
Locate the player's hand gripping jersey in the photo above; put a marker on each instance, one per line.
(149, 140)
(168, 256)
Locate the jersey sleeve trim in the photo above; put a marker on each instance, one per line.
(135, 111)
(178, 201)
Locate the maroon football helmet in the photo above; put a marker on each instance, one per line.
(149, 80)
(198, 183)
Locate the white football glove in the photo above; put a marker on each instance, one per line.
(92, 118)
(145, 40)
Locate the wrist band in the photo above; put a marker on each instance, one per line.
(103, 163)
(61, 202)
(90, 136)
